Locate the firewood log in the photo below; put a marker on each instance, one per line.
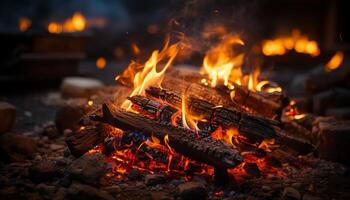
(183, 141)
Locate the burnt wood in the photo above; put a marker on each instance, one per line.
(183, 141)
(252, 127)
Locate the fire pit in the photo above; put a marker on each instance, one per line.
(202, 117)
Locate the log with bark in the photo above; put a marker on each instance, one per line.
(253, 128)
(183, 141)
(257, 102)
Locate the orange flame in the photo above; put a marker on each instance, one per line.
(76, 23)
(268, 145)
(335, 61)
(228, 136)
(296, 41)
(149, 76)
(24, 24)
(221, 63)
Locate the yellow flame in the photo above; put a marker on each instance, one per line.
(335, 61)
(149, 76)
(76, 23)
(101, 63)
(24, 24)
(281, 45)
(300, 116)
(221, 63)
(90, 103)
(268, 145)
(227, 136)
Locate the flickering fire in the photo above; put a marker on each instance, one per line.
(135, 49)
(335, 61)
(221, 63)
(101, 62)
(24, 24)
(76, 23)
(150, 76)
(281, 45)
(268, 145)
(229, 136)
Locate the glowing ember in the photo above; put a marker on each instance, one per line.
(227, 136)
(335, 61)
(268, 145)
(90, 103)
(101, 63)
(24, 24)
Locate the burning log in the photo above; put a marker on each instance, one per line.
(252, 127)
(256, 102)
(183, 141)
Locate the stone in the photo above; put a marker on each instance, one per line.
(154, 179)
(339, 113)
(56, 147)
(7, 116)
(69, 114)
(192, 190)
(252, 169)
(43, 171)
(291, 193)
(134, 174)
(310, 197)
(80, 191)
(17, 148)
(50, 130)
(333, 139)
(45, 189)
(89, 168)
(80, 87)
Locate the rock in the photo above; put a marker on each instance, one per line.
(88, 168)
(68, 116)
(310, 197)
(45, 189)
(17, 148)
(60, 194)
(80, 191)
(113, 190)
(266, 188)
(252, 169)
(7, 116)
(192, 190)
(134, 174)
(56, 147)
(80, 87)
(50, 130)
(43, 171)
(333, 139)
(291, 193)
(154, 179)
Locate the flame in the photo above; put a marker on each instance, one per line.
(227, 136)
(149, 76)
(268, 145)
(76, 23)
(221, 63)
(135, 49)
(54, 27)
(24, 24)
(335, 61)
(261, 86)
(300, 43)
(188, 121)
(101, 63)
(90, 103)
(300, 116)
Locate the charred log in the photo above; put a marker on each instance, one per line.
(252, 127)
(183, 141)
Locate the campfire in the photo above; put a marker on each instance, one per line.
(216, 122)
(207, 100)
